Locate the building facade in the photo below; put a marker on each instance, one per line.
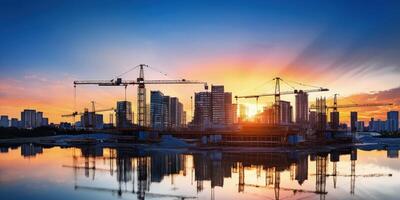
(202, 109)
(301, 107)
(217, 105)
(28, 118)
(353, 120)
(4, 121)
(124, 114)
(392, 121)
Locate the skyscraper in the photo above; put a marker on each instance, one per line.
(301, 107)
(28, 118)
(353, 120)
(392, 121)
(234, 113)
(334, 120)
(180, 116)
(166, 112)
(124, 115)
(156, 109)
(217, 105)
(285, 112)
(39, 119)
(202, 109)
(175, 112)
(228, 108)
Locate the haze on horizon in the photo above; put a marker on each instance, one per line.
(348, 47)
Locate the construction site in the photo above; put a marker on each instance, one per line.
(217, 117)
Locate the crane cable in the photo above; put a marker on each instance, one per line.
(131, 69)
(288, 84)
(303, 84)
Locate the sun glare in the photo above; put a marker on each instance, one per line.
(251, 111)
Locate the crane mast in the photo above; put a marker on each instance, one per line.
(141, 90)
(277, 97)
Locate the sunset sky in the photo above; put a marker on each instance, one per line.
(351, 48)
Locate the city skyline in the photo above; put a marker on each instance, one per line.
(47, 45)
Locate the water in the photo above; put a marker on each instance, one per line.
(30, 172)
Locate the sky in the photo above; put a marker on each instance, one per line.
(350, 47)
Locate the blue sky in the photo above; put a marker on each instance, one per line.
(235, 43)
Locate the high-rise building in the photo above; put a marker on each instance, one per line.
(229, 116)
(217, 105)
(28, 118)
(183, 120)
(180, 115)
(166, 112)
(234, 112)
(99, 123)
(39, 119)
(392, 122)
(175, 112)
(202, 109)
(268, 115)
(4, 121)
(156, 109)
(285, 112)
(313, 119)
(334, 120)
(124, 115)
(301, 107)
(353, 120)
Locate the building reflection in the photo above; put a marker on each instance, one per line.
(30, 150)
(136, 170)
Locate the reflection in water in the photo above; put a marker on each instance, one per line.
(276, 174)
(143, 168)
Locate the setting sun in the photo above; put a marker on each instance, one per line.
(251, 111)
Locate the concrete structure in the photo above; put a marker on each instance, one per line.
(392, 121)
(353, 120)
(217, 105)
(4, 121)
(124, 115)
(28, 118)
(301, 108)
(92, 120)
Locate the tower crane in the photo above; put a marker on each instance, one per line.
(277, 95)
(335, 107)
(141, 92)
